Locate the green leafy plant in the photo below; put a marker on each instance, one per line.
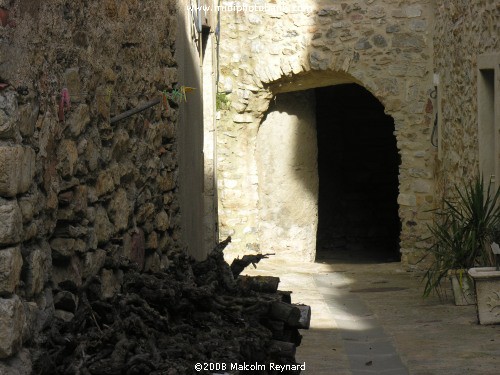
(462, 232)
(222, 101)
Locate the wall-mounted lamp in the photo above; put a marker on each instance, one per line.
(434, 136)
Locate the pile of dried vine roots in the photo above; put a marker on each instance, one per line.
(165, 323)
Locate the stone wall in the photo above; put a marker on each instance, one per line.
(287, 163)
(79, 195)
(385, 46)
(464, 31)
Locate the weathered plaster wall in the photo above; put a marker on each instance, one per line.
(209, 137)
(464, 30)
(80, 196)
(287, 163)
(386, 46)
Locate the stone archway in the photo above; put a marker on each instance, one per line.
(329, 153)
(244, 194)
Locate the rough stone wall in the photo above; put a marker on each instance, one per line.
(384, 45)
(77, 194)
(464, 30)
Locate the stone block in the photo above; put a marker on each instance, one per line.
(166, 182)
(79, 201)
(76, 231)
(11, 263)
(362, 44)
(418, 25)
(407, 200)
(8, 102)
(145, 213)
(27, 209)
(8, 128)
(93, 263)
(241, 118)
(162, 221)
(422, 186)
(377, 12)
(487, 282)
(67, 154)
(8, 115)
(28, 116)
(408, 42)
(62, 247)
(105, 183)
(379, 41)
(103, 227)
(17, 169)
(420, 173)
(12, 319)
(10, 222)
(79, 119)
(80, 245)
(119, 210)
(412, 11)
(152, 241)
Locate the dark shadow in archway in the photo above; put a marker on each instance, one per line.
(358, 164)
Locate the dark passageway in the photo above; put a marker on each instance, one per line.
(358, 164)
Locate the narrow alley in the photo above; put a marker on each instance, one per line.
(370, 318)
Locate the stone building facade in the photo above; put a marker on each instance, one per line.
(267, 142)
(80, 193)
(467, 60)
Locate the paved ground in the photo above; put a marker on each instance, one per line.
(371, 319)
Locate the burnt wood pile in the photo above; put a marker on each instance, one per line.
(166, 323)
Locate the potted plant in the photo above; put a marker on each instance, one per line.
(461, 235)
(487, 284)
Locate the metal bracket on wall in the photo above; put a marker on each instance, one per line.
(176, 95)
(135, 110)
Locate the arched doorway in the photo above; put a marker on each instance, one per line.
(358, 167)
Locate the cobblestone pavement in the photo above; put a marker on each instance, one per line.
(371, 319)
